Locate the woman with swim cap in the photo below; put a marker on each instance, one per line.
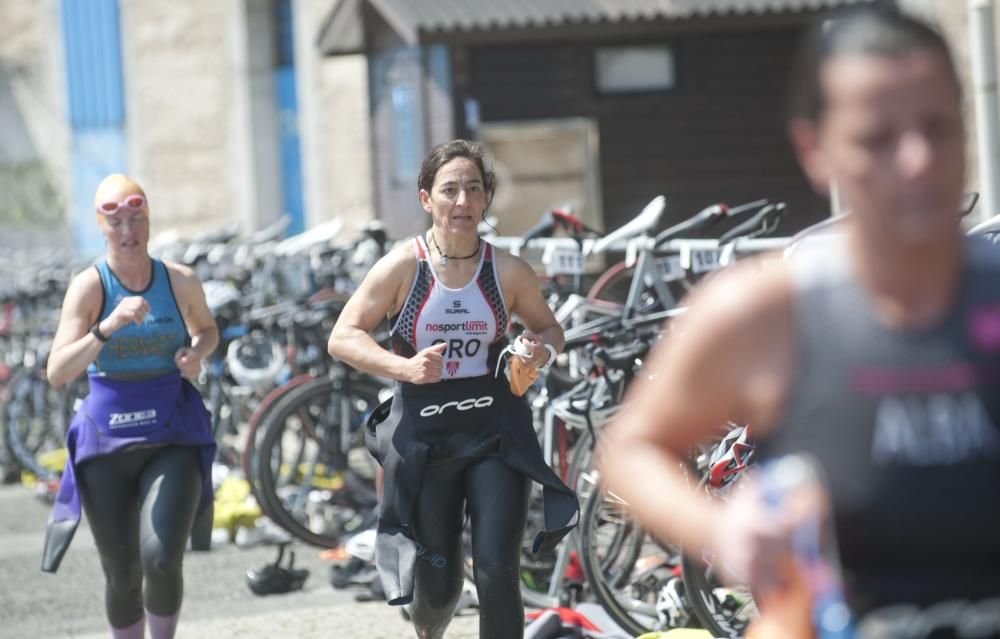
(141, 445)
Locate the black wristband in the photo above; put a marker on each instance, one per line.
(96, 332)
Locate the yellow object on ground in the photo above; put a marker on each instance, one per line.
(319, 476)
(233, 506)
(53, 461)
(28, 479)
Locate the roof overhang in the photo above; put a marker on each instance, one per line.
(421, 21)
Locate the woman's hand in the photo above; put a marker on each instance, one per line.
(536, 355)
(188, 362)
(426, 366)
(131, 309)
(750, 542)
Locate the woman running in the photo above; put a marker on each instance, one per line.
(878, 354)
(457, 439)
(140, 446)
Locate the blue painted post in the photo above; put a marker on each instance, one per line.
(92, 46)
(287, 105)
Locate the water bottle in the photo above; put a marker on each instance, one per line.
(810, 605)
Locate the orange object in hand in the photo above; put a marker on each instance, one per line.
(785, 611)
(520, 375)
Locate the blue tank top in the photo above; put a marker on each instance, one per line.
(139, 351)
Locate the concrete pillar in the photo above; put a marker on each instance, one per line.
(31, 55)
(256, 176)
(984, 70)
(334, 125)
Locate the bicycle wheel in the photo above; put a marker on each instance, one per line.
(315, 473)
(8, 466)
(725, 611)
(12, 467)
(34, 425)
(627, 570)
(254, 434)
(615, 283)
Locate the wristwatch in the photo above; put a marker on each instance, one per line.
(96, 332)
(552, 357)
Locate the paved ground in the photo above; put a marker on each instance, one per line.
(217, 604)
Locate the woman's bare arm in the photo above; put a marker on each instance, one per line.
(350, 341)
(194, 309)
(728, 358)
(73, 347)
(524, 299)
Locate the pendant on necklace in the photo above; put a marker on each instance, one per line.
(443, 260)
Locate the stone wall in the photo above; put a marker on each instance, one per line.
(34, 155)
(334, 123)
(198, 132)
(177, 60)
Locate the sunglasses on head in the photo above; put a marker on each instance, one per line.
(131, 202)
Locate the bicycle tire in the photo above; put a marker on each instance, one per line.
(300, 422)
(8, 466)
(705, 603)
(614, 284)
(12, 467)
(595, 566)
(703, 597)
(31, 425)
(253, 433)
(608, 285)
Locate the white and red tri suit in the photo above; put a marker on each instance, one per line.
(469, 319)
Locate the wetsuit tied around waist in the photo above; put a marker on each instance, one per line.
(468, 414)
(137, 397)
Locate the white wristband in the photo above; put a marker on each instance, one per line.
(552, 357)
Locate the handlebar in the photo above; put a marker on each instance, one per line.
(705, 219)
(694, 224)
(558, 218)
(762, 223)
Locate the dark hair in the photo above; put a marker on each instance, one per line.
(875, 30)
(445, 153)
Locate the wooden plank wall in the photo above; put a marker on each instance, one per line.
(719, 136)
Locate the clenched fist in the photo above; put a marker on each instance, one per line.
(535, 353)
(425, 367)
(188, 362)
(131, 310)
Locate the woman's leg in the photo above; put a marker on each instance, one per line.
(498, 509)
(170, 490)
(109, 493)
(438, 574)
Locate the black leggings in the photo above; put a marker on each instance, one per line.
(140, 505)
(497, 501)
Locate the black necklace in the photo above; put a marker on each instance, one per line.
(443, 259)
